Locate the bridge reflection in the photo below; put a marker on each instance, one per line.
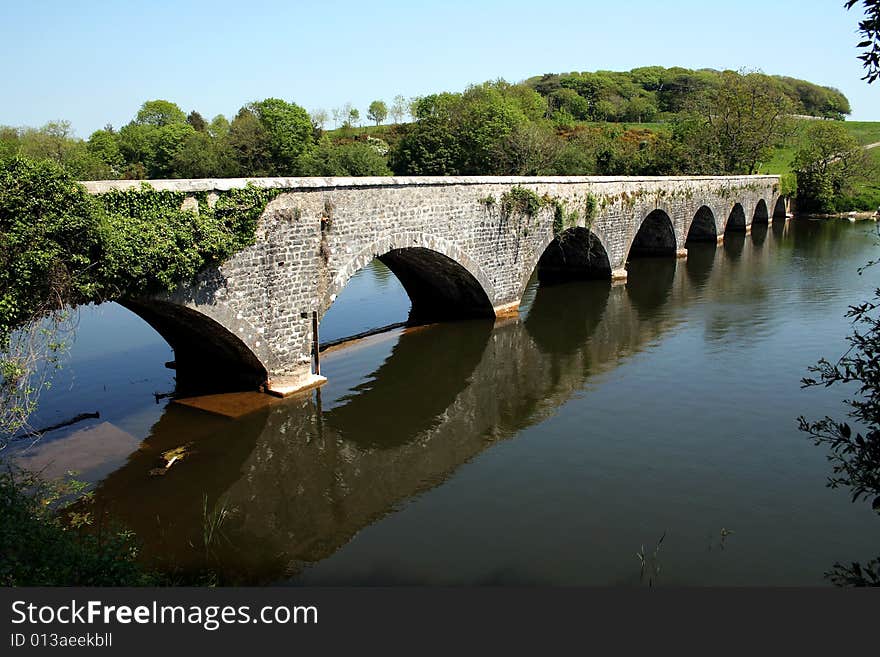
(299, 478)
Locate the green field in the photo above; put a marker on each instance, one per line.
(865, 132)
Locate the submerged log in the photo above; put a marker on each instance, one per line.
(76, 418)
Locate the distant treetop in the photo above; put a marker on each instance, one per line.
(653, 92)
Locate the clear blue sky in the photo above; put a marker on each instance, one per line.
(96, 62)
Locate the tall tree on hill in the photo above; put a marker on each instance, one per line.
(398, 108)
(378, 111)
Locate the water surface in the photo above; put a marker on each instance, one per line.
(549, 448)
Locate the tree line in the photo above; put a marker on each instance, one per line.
(655, 93)
(715, 122)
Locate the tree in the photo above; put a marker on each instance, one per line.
(288, 131)
(827, 164)
(398, 108)
(530, 150)
(104, 145)
(354, 117)
(869, 27)
(152, 140)
(204, 156)
(732, 127)
(197, 121)
(50, 234)
(159, 113)
(319, 117)
(377, 111)
(250, 144)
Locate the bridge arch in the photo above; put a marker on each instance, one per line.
(761, 215)
(655, 237)
(574, 254)
(441, 281)
(703, 227)
(779, 210)
(208, 356)
(736, 220)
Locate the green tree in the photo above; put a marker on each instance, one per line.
(104, 145)
(49, 236)
(732, 127)
(827, 164)
(159, 113)
(359, 158)
(377, 111)
(288, 132)
(204, 156)
(152, 141)
(249, 144)
(197, 121)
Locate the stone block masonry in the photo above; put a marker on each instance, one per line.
(458, 248)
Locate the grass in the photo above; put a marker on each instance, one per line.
(865, 132)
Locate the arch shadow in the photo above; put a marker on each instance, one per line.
(699, 264)
(405, 396)
(761, 216)
(702, 227)
(208, 357)
(779, 210)
(577, 254)
(562, 318)
(736, 220)
(438, 287)
(649, 285)
(655, 237)
(442, 284)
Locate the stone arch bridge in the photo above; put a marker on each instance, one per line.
(462, 247)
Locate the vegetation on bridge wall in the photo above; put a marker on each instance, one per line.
(61, 246)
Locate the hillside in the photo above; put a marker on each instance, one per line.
(656, 93)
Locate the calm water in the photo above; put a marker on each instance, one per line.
(549, 448)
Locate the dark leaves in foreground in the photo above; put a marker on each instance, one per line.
(869, 28)
(854, 453)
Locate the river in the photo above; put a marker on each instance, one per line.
(623, 435)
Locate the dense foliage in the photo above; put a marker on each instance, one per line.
(50, 240)
(653, 92)
(828, 163)
(42, 546)
(61, 246)
(542, 126)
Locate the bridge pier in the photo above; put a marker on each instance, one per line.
(285, 386)
(506, 309)
(618, 276)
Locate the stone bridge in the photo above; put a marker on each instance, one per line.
(462, 247)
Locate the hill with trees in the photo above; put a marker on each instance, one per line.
(647, 121)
